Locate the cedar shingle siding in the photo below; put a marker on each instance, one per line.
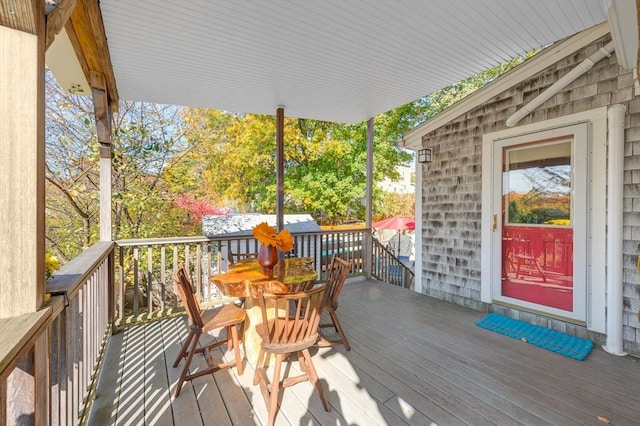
(451, 190)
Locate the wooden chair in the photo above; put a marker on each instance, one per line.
(234, 258)
(337, 273)
(202, 321)
(289, 324)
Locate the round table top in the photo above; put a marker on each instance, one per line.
(244, 277)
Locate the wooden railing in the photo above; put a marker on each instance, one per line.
(51, 358)
(387, 267)
(145, 266)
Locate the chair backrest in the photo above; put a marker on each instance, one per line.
(337, 273)
(291, 319)
(191, 305)
(236, 257)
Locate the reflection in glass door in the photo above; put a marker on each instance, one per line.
(537, 232)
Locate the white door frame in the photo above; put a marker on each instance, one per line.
(595, 229)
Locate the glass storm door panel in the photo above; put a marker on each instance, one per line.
(537, 229)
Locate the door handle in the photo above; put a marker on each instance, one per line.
(495, 222)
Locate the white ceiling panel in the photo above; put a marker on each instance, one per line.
(334, 60)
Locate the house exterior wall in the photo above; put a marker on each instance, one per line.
(405, 184)
(452, 186)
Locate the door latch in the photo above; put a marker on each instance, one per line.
(495, 222)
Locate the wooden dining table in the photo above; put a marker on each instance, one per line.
(246, 278)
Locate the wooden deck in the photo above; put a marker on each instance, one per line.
(414, 360)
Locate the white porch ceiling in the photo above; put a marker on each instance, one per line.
(333, 60)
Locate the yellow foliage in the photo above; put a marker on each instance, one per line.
(51, 264)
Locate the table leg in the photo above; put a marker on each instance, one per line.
(251, 338)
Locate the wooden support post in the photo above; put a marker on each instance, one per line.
(22, 173)
(58, 18)
(103, 127)
(280, 168)
(368, 247)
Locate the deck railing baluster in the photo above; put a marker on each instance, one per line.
(204, 257)
(121, 286)
(135, 280)
(150, 278)
(163, 275)
(175, 267)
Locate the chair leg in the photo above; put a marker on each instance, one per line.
(302, 362)
(259, 366)
(185, 369)
(336, 324)
(230, 341)
(275, 389)
(183, 351)
(313, 377)
(236, 348)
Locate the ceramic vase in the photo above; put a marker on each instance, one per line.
(267, 258)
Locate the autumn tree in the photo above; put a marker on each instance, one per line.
(146, 137)
(325, 163)
(392, 204)
(72, 172)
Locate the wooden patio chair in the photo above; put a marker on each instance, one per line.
(234, 258)
(337, 273)
(289, 325)
(201, 321)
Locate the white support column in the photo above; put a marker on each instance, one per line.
(103, 128)
(105, 193)
(418, 261)
(614, 344)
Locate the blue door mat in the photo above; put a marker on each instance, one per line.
(552, 340)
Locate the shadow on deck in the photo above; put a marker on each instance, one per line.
(414, 360)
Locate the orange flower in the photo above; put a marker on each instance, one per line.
(285, 241)
(265, 234)
(268, 236)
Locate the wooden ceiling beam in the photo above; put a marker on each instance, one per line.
(58, 18)
(88, 38)
(21, 15)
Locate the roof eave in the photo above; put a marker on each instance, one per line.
(87, 35)
(413, 139)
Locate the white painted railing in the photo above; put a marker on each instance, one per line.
(145, 266)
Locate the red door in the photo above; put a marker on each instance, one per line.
(537, 232)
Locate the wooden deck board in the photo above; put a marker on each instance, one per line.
(443, 351)
(186, 406)
(414, 360)
(453, 371)
(131, 395)
(105, 405)
(157, 399)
